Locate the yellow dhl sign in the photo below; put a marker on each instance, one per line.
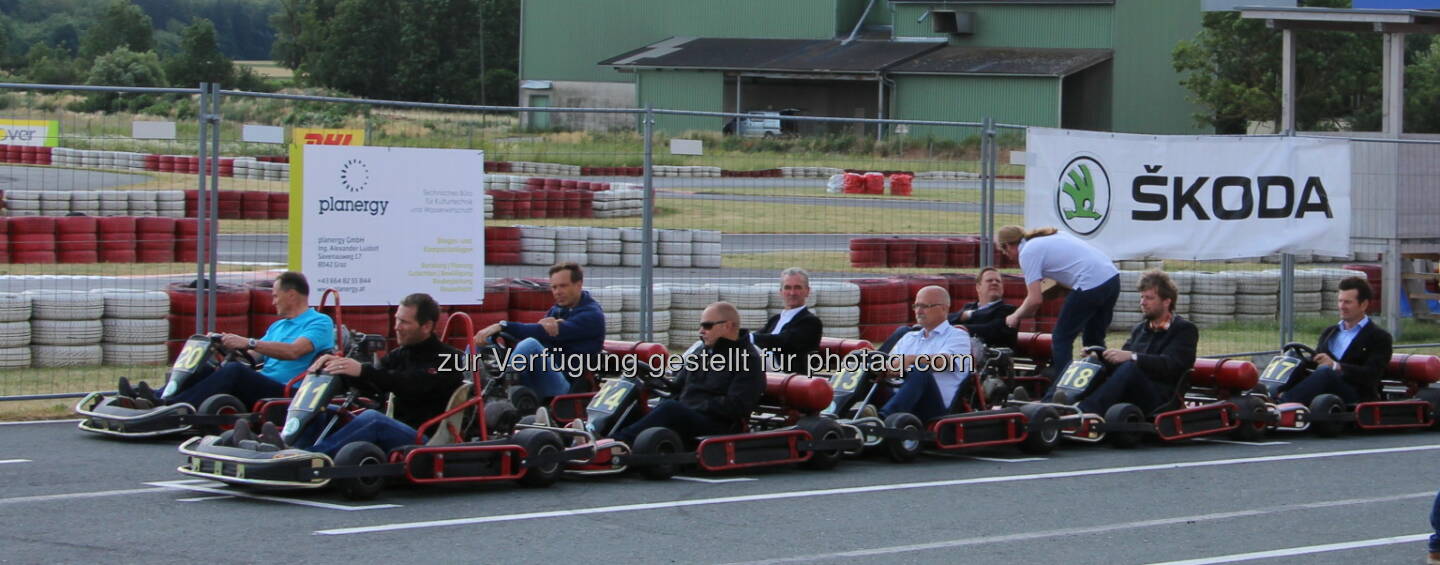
(317, 136)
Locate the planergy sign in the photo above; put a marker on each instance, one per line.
(38, 133)
(1191, 197)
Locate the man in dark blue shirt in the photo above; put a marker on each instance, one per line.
(569, 337)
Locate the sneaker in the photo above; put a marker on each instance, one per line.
(254, 445)
(271, 435)
(124, 389)
(542, 417)
(869, 411)
(241, 432)
(1060, 397)
(144, 391)
(1020, 394)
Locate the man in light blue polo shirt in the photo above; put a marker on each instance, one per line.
(287, 349)
(935, 359)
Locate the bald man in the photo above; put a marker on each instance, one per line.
(719, 393)
(935, 359)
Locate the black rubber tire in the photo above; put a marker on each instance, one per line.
(540, 442)
(823, 429)
(501, 417)
(1250, 407)
(359, 454)
(1327, 404)
(655, 441)
(524, 400)
(1431, 395)
(1044, 432)
(902, 450)
(1125, 413)
(526, 420)
(218, 405)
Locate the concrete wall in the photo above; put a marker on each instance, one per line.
(577, 94)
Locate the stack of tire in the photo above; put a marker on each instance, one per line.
(1308, 295)
(117, 239)
(622, 200)
(134, 327)
(603, 246)
(247, 168)
(537, 245)
(85, 202)
(502, 245)
(4, 240)
(489, 206)
(1127, 307)
(630, 314)
(262, 306)
(77, 239)
(632, 247)
(54, 203)
(232, 312)
(705, 248)
(752, 301)
(1257, 293)
(32, 239)
(279, 205)
(675, 248)
(1330, 289)
(19, 203)
(1212, 298)
(14, 330)
(810, 172)
(687, 304)
(187, 240)
(868, 252)
(31, 154)
(114, 203)
(685, 171)
(529, 301)
(155, 240)
(1184, 285)
(65, 328)
(884, 306)
(146, 203)
(612, 303)
(571, 244)
(947, 175)
(837, 304)
(255, 205)
(230, 205)
(1372, 275)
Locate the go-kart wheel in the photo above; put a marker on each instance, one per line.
(1431, 395)
(1124, 413)
(1327, 404)
(658, 441)
(903, 450)
(1044, 432)
(360, 454)
(1252, 423)
(218, 405)
(823, 429)
(524, 400)
(540, 443)
(500, 417)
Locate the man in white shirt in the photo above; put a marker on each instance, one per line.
(935, 360)
(790, 337)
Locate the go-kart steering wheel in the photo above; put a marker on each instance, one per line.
(1306, 354)
(235, 354)
(1095, 350)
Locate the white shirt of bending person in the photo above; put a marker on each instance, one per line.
(944, 339)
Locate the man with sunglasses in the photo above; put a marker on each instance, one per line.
(934, 359)
(717, 389)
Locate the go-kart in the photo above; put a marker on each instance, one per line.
(785, 429)
(455, 446)
(1406, 401)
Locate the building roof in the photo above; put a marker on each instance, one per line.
(1344, 19)
(792, 55)
(958, 60)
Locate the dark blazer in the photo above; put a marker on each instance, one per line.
(1164, 356)
(988, 324)
(796, 341)
(1365, 360)
(729, 390)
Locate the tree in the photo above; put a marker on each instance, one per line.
(46, 65)
(123, 67)
(200, 59)
(122, 24)
(1422, 90)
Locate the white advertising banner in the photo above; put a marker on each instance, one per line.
(1190, 197)
(378, 223)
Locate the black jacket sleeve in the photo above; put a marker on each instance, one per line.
(990, 326)
(747, 384)
(1372, 357)
(409, 377)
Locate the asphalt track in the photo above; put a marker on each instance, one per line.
(75, 498)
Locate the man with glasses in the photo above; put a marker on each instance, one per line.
(719, 391)
(934, 359)
(792, 336)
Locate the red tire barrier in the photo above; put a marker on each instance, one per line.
(32, 243)
(230, 300)
(260, 323)
(854, 184)
(894, 313)
(86, 256)
(877, 333)
(526, 316)
(900, 185)
(900, 252)
(874, 183)
(497, 299)
(526, 298)
(881, 291)
(183, 325)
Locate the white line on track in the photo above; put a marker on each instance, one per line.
(865, 489)
(205, 498)
(1004, 460)
(1031, 536)
(33, 422)
(715, 481)
(1233, 442)
(1304, 550)
(4, 461)
(76, 495)
(183, 485)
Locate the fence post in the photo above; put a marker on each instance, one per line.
(201, 243)
(647, 261)
(1287, 298)
(987, 192)
(214, 168)
(212, 289)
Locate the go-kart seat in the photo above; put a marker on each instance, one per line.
(457, 421)
(1177, 399)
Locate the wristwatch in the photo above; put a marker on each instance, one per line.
(252, 343)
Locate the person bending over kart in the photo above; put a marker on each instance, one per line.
(286, 349)
(574, 327)
(933, 358)
(720, 393)
(792, 336)
(1146, 370)
(410, 371)
(1350, 357)
(985, 318)
(1068, 260)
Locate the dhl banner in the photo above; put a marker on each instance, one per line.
(38, 133)
(317, 136)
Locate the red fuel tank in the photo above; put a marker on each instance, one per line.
(1232, 374)
(1414, 368)
(806, 394)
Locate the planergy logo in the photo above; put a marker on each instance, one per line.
(1082, 195)
(355, 177)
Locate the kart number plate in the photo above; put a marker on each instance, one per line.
(845, 382)
(191, 356)
(607, 400)
(1078, 376)
(311, 394)
(1280, 370)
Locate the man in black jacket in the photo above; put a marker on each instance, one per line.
(1160, 349)
(413, 372)
(717, 389)
(985, 318)
(792, 336)
(1351, 355)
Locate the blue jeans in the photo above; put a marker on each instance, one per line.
(372, 426)
(918, 395)
(1435, 525)
(545, 383)
(234, 378)
(1127, 383)
(684, 420)
(1089, 310)
(1321, 381)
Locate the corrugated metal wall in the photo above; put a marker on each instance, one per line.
(563, 39)
(684, 90)
(1019, 26)
(1011, 100)
(1148, 97)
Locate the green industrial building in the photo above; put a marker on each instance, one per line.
(1083, 64)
